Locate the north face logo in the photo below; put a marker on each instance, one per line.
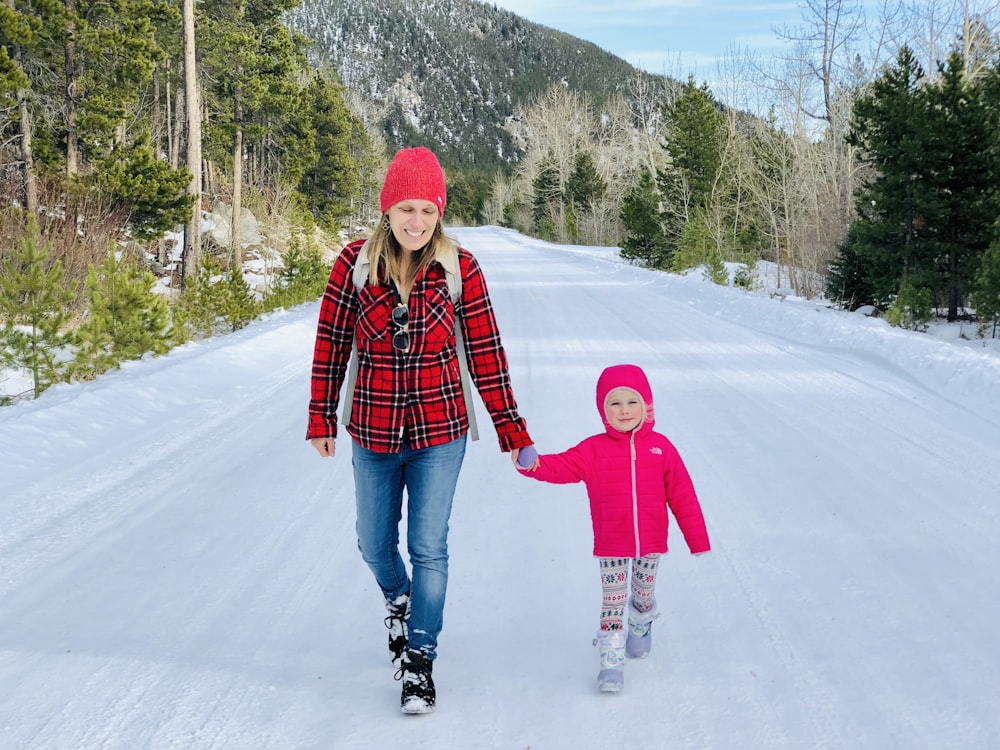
(656, 451)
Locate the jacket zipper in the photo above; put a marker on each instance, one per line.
(635, 496)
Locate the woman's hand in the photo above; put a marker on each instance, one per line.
(325, 446)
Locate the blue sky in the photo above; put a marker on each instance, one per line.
(675, 37)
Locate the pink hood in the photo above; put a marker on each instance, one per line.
(624, 376)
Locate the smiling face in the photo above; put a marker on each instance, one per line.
(412, 222)
(624, 409)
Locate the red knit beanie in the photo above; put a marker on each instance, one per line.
(414, 174)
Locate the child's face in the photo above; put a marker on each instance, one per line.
(624, 409)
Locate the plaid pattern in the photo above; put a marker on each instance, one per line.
(416, 393)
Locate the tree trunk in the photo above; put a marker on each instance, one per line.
(235, 246)
(72, 138)
(27, 155)
(192, 233)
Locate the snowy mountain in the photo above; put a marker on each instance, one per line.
(450, 74)
(178, 568)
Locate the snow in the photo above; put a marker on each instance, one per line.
(178, 568)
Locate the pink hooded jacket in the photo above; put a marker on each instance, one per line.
(631, 478)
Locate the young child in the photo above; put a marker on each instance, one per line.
(633, 474)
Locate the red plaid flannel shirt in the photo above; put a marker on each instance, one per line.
(419, 390)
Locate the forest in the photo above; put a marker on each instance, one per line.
(865, 164)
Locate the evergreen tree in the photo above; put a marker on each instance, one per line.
(695, 245)
(331, 180)
(960, 167)
(214, 302)
(886, 128)
(695, 130)
(147, 190)
(584, 185)
(584, 189)
(240, 304)
(911, 309)
(645, 241)
(715, 269)
(303, 278)
(986, 297)
(104, 54)
(849, 278)
(19, 29)
(34, 308)
(925, 216)
(251, 60)
(126, 318)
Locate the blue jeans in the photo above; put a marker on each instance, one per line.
(429, 476)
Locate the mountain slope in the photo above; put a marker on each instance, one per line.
(449, 73)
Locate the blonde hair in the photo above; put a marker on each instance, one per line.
(383, 247)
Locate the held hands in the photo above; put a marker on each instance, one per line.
(525, 458)
(325, 446)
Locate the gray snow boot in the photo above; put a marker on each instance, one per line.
(398, 624)
(640, 631)
(611, 643)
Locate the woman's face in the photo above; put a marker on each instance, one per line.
(412, 222)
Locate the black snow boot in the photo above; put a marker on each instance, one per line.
(398, 624)
(418, 696)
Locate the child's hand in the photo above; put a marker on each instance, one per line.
(525, 459)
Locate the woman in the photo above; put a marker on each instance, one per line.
(408, 418)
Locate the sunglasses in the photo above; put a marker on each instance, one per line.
(401, 319)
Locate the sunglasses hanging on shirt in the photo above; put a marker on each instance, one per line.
(400, 319)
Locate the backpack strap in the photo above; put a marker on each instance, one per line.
(453, 277)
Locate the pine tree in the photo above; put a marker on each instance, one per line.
(645, 241)
(961, 201)
(251, 59)
(147, 190)
(331, 180)
(886, 128)
(584, 184)
(848, 280)
(240, 306)
(303, 278)
(197, 313)
(214, 302)
(986, 297)
(925, 216)
(34, 307)
(911, 309)
(126, 318)
(694, 147)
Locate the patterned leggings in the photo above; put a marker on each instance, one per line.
(615, 584)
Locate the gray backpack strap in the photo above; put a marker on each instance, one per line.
(453, 275)
(359, 276)
(463, 369)
(352, 379)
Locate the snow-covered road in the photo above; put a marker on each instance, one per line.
(178, 569)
